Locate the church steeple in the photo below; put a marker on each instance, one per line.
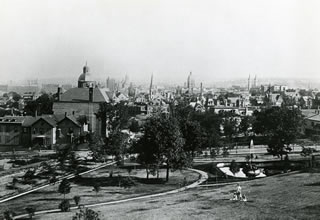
(150, 88)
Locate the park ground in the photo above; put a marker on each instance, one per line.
(111, 189)
(287, 196)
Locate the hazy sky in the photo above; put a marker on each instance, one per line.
(211, 38)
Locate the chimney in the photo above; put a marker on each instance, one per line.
(65, 114)
(59, 93)
(36, 113)
(90, 94)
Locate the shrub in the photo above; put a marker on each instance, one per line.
(31, 211)
(96, 187)
(64, 206)
(234, 167)
(86, 214)
(8, 215)
(77, 200)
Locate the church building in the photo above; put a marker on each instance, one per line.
(83, 101)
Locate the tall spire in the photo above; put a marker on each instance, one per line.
(249, 83)
(150, 88)
(201, 92)
(189, 83)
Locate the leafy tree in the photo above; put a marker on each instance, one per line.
(64, 187)
(162, 142)
(245, 125)
(15, 96)
(280, 125)
(234, 167)
(134, 126)
(63, 154)
(43, 105)
(30, 174)
(96, 187)
(86, 214)
(77, 200)
(31, 211)
(64, 206)
(229, 128)
(8, 215)
(113, 116)
(116, 144)
(192, 134)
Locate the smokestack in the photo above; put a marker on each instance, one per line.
(91, 94)
(59, 93)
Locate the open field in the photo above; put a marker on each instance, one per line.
(111, 188)
(289, 196)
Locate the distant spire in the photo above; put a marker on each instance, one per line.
(201, 91)
(249, 83)
(150, 88)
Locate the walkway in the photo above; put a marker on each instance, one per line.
(203, 178)
(70, 176)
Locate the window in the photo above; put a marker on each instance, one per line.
(41, 131)
(0, 139)
(24, 130)
(34, 131)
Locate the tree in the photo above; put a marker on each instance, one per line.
(63, 154)
(281, 127)
(8, 215)
(42, 105)
(96, 187)
(234, 167)
(229, 127)
(15, 96)
(134, 126)
(64, 206)
(114, 117)
(245, 125)
(31, 211)
(64, 187)
(76, 200)
(86, 214)
(192, 134)
(162, 143)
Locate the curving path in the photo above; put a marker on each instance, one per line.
(70, 176)
(203, 178)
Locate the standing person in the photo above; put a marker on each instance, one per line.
(238, 192)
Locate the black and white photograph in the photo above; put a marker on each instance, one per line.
(159, 109)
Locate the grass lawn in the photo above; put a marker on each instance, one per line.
(49, 198)
(290, 196)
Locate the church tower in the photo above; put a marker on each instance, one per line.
(150, 88)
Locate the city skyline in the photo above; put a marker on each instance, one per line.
(213, 39)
